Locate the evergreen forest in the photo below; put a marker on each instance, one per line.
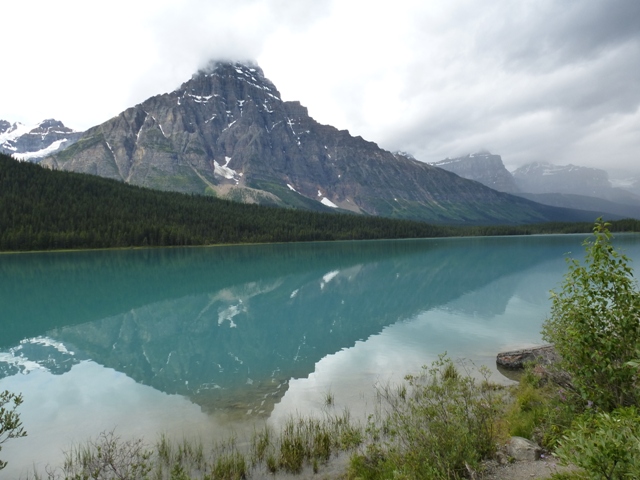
(43, 209)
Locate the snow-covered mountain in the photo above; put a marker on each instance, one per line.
(34, 142)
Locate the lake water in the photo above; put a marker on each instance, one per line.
(203, 341)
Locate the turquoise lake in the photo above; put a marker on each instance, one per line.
(207, 341)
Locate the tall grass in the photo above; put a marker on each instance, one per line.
(301, 442)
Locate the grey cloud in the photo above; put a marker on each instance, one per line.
(547, 34)
(298, 15)
(528, 80)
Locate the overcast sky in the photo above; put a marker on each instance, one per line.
(531, 80)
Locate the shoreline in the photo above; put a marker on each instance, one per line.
(213, 245)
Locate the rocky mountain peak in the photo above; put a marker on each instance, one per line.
(482, 167)
(213, 78)
(4, 126)
(50, 125)
(407, 155)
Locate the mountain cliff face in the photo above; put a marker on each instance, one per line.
(227, 132)
(37, 141)
(482, 167)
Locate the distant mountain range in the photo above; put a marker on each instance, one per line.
(34, 142)
(227, 133)
(627, 183)
(566, 186)
(541, 177)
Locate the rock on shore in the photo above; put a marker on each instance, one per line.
(516, 359)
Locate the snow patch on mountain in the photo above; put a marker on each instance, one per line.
(16, 130)
(225, 171)
(328, 203)
(54, 147)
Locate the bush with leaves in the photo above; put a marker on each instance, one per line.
(10, 423)
(540, 410)
(106, 458)
(595, 324)
(604, 445)
(438, 425)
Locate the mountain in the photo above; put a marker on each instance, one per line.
(571, 181)
(33, 142)
(570, 186)
(540, 177)
(627, 182)
(482, 167)
(227, 132)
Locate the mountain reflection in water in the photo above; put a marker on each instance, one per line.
(232, 325)
(191, 341)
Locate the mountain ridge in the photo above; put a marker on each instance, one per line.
(566, 186)
(226, 132)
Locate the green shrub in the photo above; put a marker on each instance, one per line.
(604, 445)
(527, 412)
(540, 410)
(106, 458)
(439, 425)
(595, 324)
(10, 423)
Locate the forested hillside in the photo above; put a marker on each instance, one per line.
(42, 209)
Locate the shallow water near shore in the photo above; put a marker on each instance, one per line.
(207, 342)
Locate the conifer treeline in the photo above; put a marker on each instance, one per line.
(43, 210)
